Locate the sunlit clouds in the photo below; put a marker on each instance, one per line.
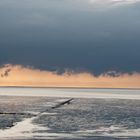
(23, 76)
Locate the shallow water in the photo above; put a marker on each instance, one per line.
(71, 92)
(89, 119)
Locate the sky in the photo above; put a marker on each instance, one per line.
(71, 43)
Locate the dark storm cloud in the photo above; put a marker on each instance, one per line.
(59, 35)
(6, 73)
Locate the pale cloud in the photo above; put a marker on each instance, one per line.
(104, 3)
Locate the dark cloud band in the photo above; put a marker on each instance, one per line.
(58, 36)
(95, 58)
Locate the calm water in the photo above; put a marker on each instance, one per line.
(68, 92)
(94, 114)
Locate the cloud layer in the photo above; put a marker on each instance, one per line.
(112, 2)
(59, 35)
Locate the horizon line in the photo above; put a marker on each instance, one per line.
(67, 87)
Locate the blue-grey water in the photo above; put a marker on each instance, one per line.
(93, 114)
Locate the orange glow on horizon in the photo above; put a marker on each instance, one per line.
(22, 76)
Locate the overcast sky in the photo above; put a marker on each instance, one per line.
(95, 36)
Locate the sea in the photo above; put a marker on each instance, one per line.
(69, 114)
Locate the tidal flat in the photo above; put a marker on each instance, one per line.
(34, 118)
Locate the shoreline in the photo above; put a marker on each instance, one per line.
(38, 87)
